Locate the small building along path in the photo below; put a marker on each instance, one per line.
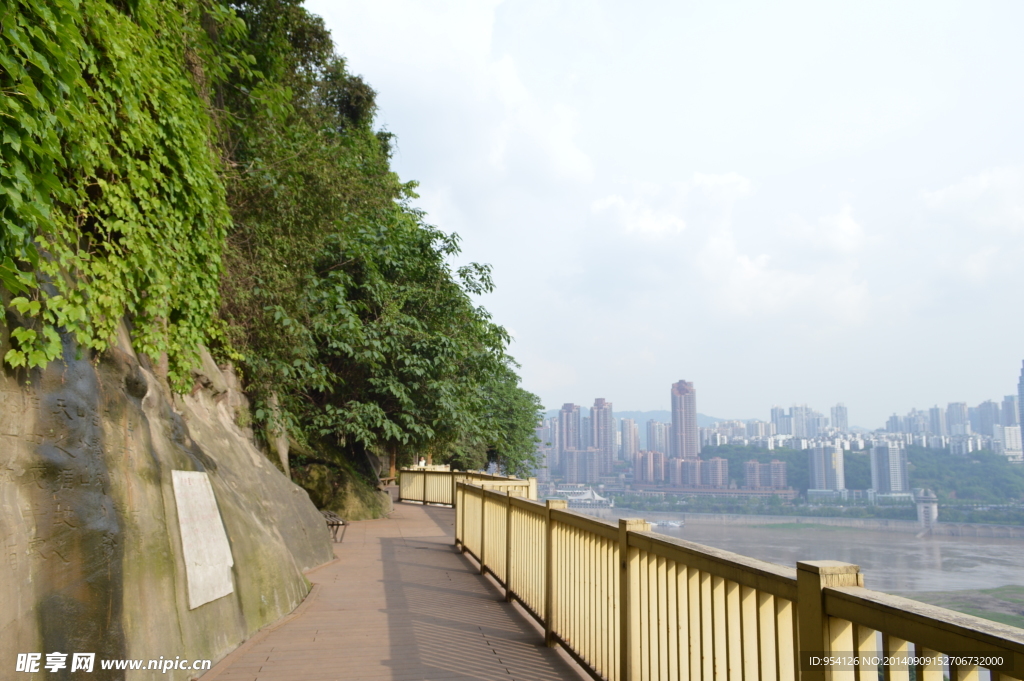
(402, 603)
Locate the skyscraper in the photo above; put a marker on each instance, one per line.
(957, 419)
(1020, 397)
(799, 416)
(685, 442)
(569, 428)
(657, 436)
(988, 417)
(778, 473)
(783, 424)
(937, 421)
(752, 475)
(602, 423)
(827, 470)
(765, 475)
(630, 439)
(889, 468)
(716, 472)
(1010, 412)
(840, 421)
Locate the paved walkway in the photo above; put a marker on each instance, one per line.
(400, 603)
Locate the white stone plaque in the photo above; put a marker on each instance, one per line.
(204, 543)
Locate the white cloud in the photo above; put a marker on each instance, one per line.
(726, 188)
(973, 226)
(748, 285)
(699, 247)
(637, 217)
(992, 200)
(838, 234)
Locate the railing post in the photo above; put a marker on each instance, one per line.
(629, 600)
(531, 493)
(549, 569)
(460, 515)
(812, 577)
(508, 547)
(483, 531)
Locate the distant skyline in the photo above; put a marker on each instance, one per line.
(785, 203)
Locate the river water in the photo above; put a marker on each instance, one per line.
(890, 561)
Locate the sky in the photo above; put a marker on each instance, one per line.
(784, 203)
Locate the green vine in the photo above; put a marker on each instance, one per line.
(111, 207)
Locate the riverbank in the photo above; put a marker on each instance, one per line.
(1004, 604)
(781, 521)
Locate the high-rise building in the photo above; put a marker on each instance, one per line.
(547, 448)
(643, 468)
(674, 472)
(765, 475)
(799, 417)
(586, 433)
(816, 424)
(581, 466)
(783, 423)
(1007, 442)
(889, 468)
(693, 472)
(1020, 398)
(1010, 412)
(937, 421)
(958, 419)
(569, 427)
(752, 475)
(777, 473)
(826, 467)
(630, 439)
(649, 467)
(657, 436)
(916, 422)
(658, 459)
(602, 422)
(716, 472)
(685, 442)
(988, 416)
(894, 424)
(840, 420)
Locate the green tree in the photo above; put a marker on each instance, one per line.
(340, 300)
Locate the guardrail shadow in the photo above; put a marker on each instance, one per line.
(446, 621)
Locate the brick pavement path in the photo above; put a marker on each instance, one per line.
(400, 603)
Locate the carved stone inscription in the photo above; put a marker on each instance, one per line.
(204, 543)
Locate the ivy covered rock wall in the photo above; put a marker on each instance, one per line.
(93, 557)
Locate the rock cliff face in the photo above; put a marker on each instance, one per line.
(92, 551)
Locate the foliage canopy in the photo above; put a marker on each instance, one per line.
(211, 174)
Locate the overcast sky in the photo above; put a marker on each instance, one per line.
(786, 202)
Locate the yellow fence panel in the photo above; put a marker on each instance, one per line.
(632, 605)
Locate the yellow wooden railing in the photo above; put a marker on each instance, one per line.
(438, 486)
(629, 604)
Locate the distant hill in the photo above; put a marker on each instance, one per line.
(642, 417)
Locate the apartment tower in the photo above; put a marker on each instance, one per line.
(602, 425)
(1020, 398)
(569, 428)
(630, 439)
(840, 418)
(685, 443)
(827, 471)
